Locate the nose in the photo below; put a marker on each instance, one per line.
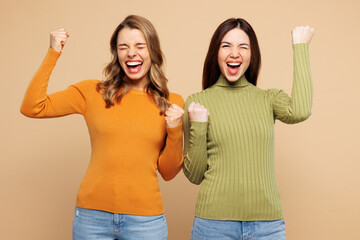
(131, 52)
(234, 52)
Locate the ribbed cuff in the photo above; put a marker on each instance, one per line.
(300, 47)
(53, 52)
(174, 132)
(199, 127)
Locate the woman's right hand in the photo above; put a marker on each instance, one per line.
(197, 112)
(302, 34)
(58, 39)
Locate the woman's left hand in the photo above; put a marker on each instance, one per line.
(302, 34)
(174, 115)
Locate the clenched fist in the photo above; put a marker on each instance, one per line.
(174, 115)
(302, 34)
(58, 39)
(197, 112)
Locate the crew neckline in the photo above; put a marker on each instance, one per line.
(137, 91)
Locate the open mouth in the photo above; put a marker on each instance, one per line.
(233, 67)
(134, 66)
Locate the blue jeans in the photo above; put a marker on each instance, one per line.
(206, 229)
(91, 224)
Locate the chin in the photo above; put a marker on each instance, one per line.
(232, 78)
(134, 77)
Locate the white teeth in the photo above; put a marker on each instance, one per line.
(133, 63)
(234, 64)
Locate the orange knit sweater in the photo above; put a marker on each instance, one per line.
(130, 142)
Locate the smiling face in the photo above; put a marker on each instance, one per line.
(234, 54)
(134, 57)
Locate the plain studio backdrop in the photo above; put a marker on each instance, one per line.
(317, 161)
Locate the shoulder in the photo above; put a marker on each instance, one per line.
(87, 84)
(177, 99)
(272, 92)
(276, 95)
(86, 87)
(204, 94)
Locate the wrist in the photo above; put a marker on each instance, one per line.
(55, 49)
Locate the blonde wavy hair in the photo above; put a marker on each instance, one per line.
(115, 75)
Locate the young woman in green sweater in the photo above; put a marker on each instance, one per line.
(229, 135)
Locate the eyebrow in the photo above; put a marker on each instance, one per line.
(125, 45)
(241, 44)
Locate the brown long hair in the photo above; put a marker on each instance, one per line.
(211, 70)
(114, 74)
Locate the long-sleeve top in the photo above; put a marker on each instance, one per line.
(232, 155)
(130, 142)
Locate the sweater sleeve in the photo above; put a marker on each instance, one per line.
(296, 108)
(171, 158)
(38, 104)
(195, 147)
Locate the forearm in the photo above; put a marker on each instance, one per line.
(302, 89)
(35, 99)
(195, 152)
(171, 159)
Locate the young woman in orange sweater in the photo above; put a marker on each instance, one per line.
(135, 128)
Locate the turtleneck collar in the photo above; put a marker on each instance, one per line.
(223, 82)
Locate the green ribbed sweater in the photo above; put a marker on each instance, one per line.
(232, 155)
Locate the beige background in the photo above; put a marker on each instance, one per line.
(317, 162)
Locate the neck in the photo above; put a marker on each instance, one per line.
(139, 84)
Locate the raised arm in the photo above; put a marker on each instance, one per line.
(297, 108)
(37, 103)
(195, 141)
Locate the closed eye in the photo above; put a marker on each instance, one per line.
(244, 46)
(225, 46)
(123, 46)
(141, 45)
